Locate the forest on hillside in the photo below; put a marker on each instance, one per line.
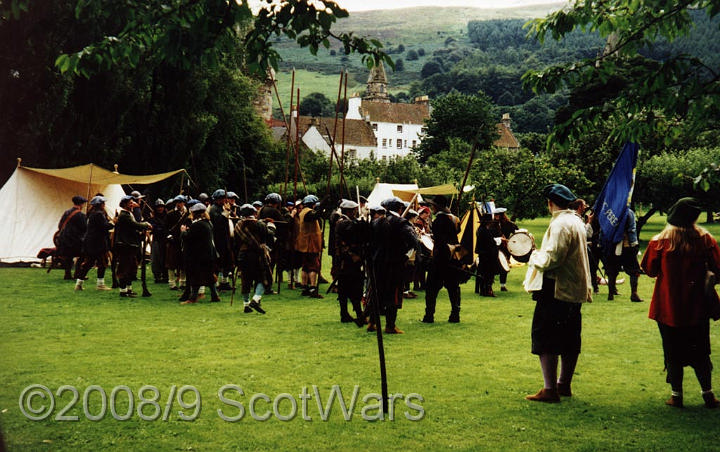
(491, 56)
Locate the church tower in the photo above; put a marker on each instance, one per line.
(377, 85)
(264, 101)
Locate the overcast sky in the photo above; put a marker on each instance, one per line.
(365, 5)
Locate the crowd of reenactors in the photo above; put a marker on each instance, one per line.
(380, 254)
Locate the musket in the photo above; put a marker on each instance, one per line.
(278, 276)
(113, 259)
(143, 272)
(374, 301)
(234, 281)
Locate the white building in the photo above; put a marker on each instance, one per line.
(398, 127)
(376, 125)
(317, 133)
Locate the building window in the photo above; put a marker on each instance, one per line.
(374, 126)
(399, 144)
(399, 128)
(384, 158)
(405, 143)
(351, 154)
(384, 142)
(414, 142)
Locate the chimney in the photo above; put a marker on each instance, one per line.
(506, 120)
(423, 100)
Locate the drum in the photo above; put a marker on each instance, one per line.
(503, 261)
(427, 242)
(520, 245)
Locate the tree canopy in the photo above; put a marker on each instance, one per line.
(316, 104)
(150, 84)
(186, 32)
(643, 92)
(467, 117)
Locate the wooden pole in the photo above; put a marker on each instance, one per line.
(289, 131)
(329, 177)
(467, 171)
(297, 144)
(342, 146)
(334, 151)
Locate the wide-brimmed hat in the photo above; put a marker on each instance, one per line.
(439, 201)
(684, 212)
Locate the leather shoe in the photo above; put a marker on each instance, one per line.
(676, 401)
(503, 289)
(189, 302)
(711, 401)
(371, 328)
(564, 390)
(635, 298)
(128, 295)
(545, 395)
(427, 319)
(256, 306)
(346, 318)
(395, 330)
(247, 310)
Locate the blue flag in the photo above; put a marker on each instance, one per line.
(612, 205)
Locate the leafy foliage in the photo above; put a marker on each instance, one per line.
(147, 118)
(467, 117)
(316, 104)
(186, 32)
(639, 94)
(663, 179)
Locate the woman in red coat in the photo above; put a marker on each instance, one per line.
(677, 257)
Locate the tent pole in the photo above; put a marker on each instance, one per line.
(88, 189)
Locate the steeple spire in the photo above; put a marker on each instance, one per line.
(377, 85)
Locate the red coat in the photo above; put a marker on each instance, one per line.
(678, 295)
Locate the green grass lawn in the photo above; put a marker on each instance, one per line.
(472, 376)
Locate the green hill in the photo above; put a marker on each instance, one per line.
(426, 28)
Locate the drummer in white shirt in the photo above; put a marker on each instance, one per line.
(507, 228)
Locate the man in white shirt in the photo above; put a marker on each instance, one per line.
(556, 327)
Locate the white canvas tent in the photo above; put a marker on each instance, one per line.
(383, 191)
(34, 199)
(407, 192)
